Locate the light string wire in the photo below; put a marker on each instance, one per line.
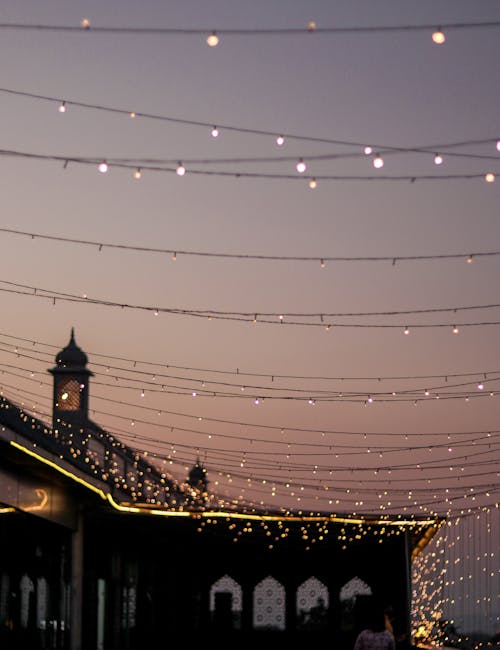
(380, 148)
(487, 175)
(448, 499)
(229, 456)
(348, 495)
(445, 375)
(488, 436)
(312, 393)
(282, 429)
(312, 28)
(393, 259)
(255, 316)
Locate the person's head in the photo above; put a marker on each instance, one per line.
(376, 617)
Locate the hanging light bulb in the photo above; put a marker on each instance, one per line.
(301, 166)
(322, 264)
(438, 159)
(85, 23)
(313, 184)
(480, 386)
(407, 330)
(132, 114)
(215, 132)
(455, 329)
(498, 145)
(368, 151)
(311, 26)
(438, 36)
(378, 162)
(213, 40)
(138, 174)
(490, 177)
(280, 141)
(469, 259)
(181, 170)
(62, 107)
(103, 167)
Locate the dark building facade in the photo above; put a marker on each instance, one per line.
(100, 550)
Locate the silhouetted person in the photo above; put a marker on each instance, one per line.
(375, 636)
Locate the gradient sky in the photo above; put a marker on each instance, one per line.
(394, 89)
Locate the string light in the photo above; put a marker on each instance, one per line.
(490, 177)
(368, 151)
(137, 174)
(213, 40)
(280, 141)
(378, 162)
(455, 329)
(215, 132)
(313, 184)
(145, 249)
(438, 37)
(438, 159)
(301, 166)
(62, 107)
(407, 330)
(85, 23)
(181, 170)
(103, 167)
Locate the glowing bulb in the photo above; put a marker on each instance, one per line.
(378, 162)
(438, 160)
(313, 184)
(174, 257)
(256, 401)
(85, 23)
(370, 399)
(213, 40)
(312, 26)
(301, 166)
(455, 329)
(480, 386)
(322, 264)
(498, 145)
(215, 132)
(181, 170)
(469, 259)
(64, 396)
(407, 330)
(137, 174)
(62, 107)
(490, 177)
(368, 151)
(194, 393)
(438, 37)
(132, 114)
(280, 141)
(427, 392)
(103, 167)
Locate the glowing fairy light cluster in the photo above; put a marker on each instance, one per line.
(455, 580)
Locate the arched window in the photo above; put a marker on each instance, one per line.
(312, 604)
(226, 603)
(269, 605)
(350, 592)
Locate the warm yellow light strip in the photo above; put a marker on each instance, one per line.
(48, 462)
(213, 514)
(6, 511)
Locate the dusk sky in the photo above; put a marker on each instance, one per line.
(328, 434)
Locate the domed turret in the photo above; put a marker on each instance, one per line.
(71, 386)
(72, 356)
(197, 480)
